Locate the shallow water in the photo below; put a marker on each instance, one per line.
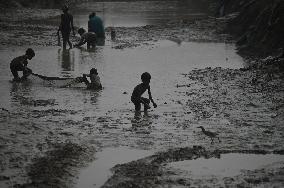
(138, 13)
(119, 70)
(228, 165)
(97, 173)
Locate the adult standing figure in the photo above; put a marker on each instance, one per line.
(95, 24)
(65, 26)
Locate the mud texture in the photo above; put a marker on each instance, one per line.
(42, 148)
(258, 26)
(153, 172)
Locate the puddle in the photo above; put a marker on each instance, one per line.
(228, 165)
(97, 173)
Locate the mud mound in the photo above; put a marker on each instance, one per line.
(259, 25)
(147, 172)
(154, 171)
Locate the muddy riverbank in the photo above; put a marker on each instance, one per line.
(43, 145)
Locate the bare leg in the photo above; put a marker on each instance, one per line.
(64, 42)
(70, 44)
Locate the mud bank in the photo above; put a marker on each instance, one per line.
(257, 25)
(154, 171)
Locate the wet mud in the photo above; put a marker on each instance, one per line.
(153, 171)
(43, 146)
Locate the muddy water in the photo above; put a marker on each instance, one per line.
(96, 174)
(110, 110)
(228, 165)
(231, 169)
(119, 71)
(138, 13)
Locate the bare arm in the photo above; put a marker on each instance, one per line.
(150, 97)
(86, 75)
(82, 41)
(60, 25)
(89, 26)
(72, 25)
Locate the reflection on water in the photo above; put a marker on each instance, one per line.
(67, 59)
(99, 171)
(228, 165)
(139, 13)
(120, 70)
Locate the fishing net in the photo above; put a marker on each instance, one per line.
(56, 81)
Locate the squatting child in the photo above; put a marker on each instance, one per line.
(94, 78)
(20, 64)
(86, 37)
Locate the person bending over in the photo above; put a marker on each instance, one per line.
(86, 37)
(94, 78)
(138, 91)
(20, 64)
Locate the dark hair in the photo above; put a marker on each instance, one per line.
(93, 71)
(81, 31)
(65, 8)
(30, 52)
(145, 76)
(92, 15)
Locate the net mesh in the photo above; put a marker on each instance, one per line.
(55, 81)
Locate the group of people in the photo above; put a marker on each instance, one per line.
(20, 64)
(95, 34)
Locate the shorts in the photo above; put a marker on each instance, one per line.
(137, 102)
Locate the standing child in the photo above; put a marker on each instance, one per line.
(65, 26)
(94, 78)
(138, 91)
(20, 64)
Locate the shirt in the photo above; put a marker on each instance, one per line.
(95, 24)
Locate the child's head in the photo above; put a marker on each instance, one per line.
(93, 71)
(146, 77)
(30, 53)
(81, 31)
(65, 8)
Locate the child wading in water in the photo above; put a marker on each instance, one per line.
(94, 78)
(86, 37)
(66, 25)
(20, 64)
(138, 92)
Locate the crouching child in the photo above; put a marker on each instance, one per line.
(138, 91)
(95, 82)
(20, 64)
(86, 37)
